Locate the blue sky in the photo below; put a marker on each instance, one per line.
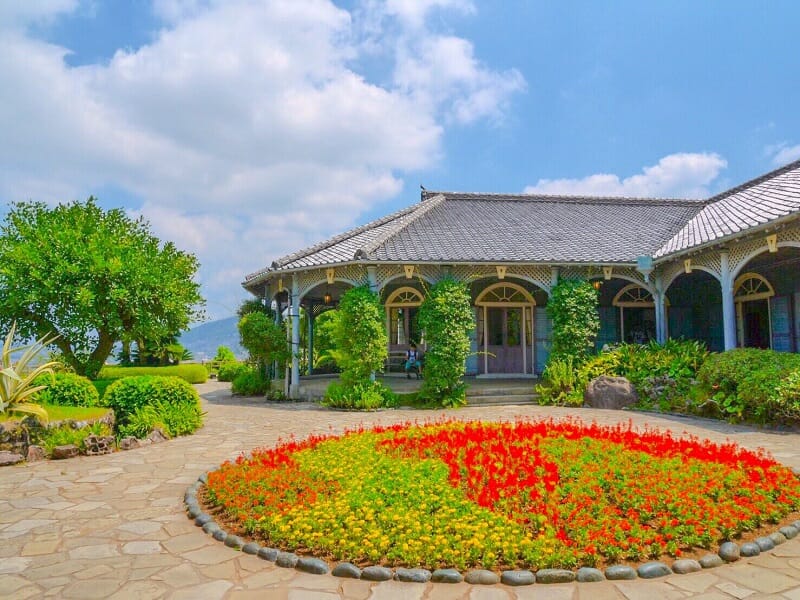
(245, 130)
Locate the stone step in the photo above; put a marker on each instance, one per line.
(523, 390)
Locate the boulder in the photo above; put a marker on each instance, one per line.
(35, 453)
(157, 435)
(99, 444)
(9, 458)
(128, 443)
(610, 392)
(67, 451)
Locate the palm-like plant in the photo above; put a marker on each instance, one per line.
(16, 380)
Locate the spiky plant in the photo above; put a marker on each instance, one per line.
(16, 380)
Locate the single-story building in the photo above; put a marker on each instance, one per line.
(725, 270)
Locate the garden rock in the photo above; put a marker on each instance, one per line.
(765, 543)
(653, 569)
(35, 454)
(796, 525)
(128, 443)
(446, 576)
(554, 576)
(789, 532)
(251, 548)
(195, 511)
(376, 573)
(588, 574)
(620, 572)
(347, 571)
(67, 451)
(710, 561)
(9, 458)
(270, 554)
(730, 552)
(516, 578)
(157, 435)
(777, 538)
(210, 527)
(686, 565)
(287, 560)
(481, 577)
(315, 566)
(234, 541)
(202, 519)
(610, 392)
(220, 535)
(750, 549)
(99, 444)
(413, 575)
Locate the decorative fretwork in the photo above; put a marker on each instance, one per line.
(634, 296)
(405, 296)
(308, 280)
(504, 293)
(752, 286)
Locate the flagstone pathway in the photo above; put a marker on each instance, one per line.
(114, 526)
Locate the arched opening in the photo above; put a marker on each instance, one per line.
(637, 314)
(315, 330)
(506, 329)
(752, 293)
(695, 309)
(402, 308)
(769, 307)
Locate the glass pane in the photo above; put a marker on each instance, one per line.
(413, 326)
(513, 326)
(495, 326)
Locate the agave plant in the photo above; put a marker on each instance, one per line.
(16, 380)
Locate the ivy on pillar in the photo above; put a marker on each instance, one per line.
(294, 388)
(728, 306)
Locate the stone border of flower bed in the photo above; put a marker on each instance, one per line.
(728, 552)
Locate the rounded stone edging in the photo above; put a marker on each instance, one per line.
(729, 552)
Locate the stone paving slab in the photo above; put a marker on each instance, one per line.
(113, 526)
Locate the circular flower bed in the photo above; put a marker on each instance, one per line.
(532, 494)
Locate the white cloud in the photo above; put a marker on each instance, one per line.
(243, 127)
(681, 175)
(783, 154)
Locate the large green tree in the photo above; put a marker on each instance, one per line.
(94, 278)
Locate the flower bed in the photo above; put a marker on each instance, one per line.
(532, 494)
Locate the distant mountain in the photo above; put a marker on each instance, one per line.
(203, 340)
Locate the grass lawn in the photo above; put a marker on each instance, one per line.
(62, 413)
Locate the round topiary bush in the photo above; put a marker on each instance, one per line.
(67, 389)
(141, 403)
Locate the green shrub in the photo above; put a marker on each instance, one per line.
(359, 335)
(67, 389)
(362, 396)
(192, 372)
(228, 371)
(743, 384)
(562, 385)
(126, 396)
(785, 399)
(224, 354)
(66, 434)
(173, 419)
(447, 318)
(576, 321)
(101, 385)
(250, 382)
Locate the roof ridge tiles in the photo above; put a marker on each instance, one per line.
(495, 196)
(754, 182)
(420, 209)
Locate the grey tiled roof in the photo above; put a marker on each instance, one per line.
(757, 202)
(461, 227)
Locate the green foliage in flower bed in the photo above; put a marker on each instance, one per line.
(67, 389)
(446, 317)
(63, 413)
(146, 400)
(193, 373)
(368, 395)
(749, 384)
(250, 381)
(101, 385)
(66, 434)
(527, 494)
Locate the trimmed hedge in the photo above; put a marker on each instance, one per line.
(67, 389)
(191, 372)
(143, 402)
(229, 371)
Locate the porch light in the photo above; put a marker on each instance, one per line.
(596, 284)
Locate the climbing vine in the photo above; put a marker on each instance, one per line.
(573, 307)
(446, 317)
